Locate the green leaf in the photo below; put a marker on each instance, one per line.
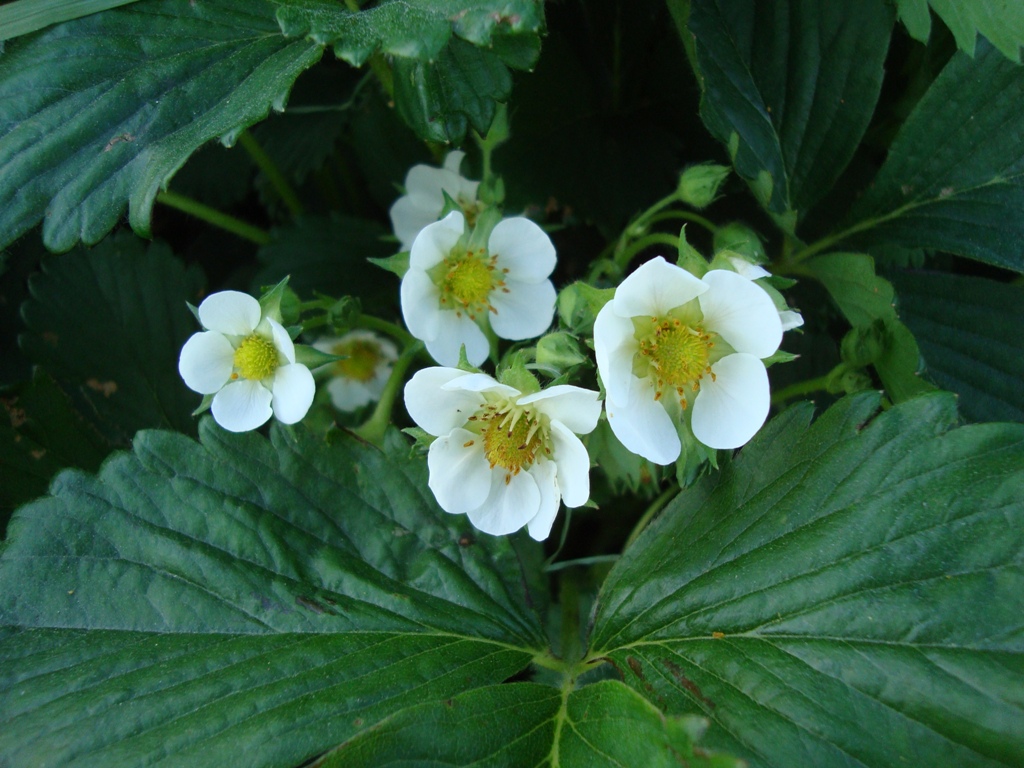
(971, 334)
(851, 281)
(197, 602)
(848, 592)
(84, 135)
(1000, 21)
(954, 177)
(328, 254)
(789, 88)
(25, 16)
(108, 325)
(418, 30)
(520, 724)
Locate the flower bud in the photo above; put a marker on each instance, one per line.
(699, 184)
(579, 303)
(742, 241)
(560, 351)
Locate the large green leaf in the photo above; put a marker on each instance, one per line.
(1001, 21)
(954, 177)
(524, 724)
(971, 334)
(99, 112)
(108, 324)
(244, 600)
(789, 87)
(845, 593)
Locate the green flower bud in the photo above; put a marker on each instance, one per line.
(578, 305)
(699, 184)
(560, 351)
(742, 240)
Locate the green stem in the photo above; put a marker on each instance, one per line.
(800, 388)
(623, 258)
(582, 561)
(656, 506)
(827, 242)
(686, 216)
(569, 599)
(373, 429)
(272, 172)
(405, 338)
(213, 216)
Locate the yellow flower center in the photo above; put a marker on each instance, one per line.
(361, 359)
(513, 436)
(256, 358)
(675, 355)
(466, 280)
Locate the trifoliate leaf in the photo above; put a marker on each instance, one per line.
(1000, 21)
(954, 177)
(195, 602)
(789, 88)
(845, 592)
(101, 111)
(108, 324)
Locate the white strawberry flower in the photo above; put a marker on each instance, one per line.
(247, 362)
(677, 352)
(360, 376)
(451, 292)
(502, 457)
(423, 201)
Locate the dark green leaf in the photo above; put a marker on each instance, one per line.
(524, 724)
(101, 111)
(971, 334)
(845, 593)
(108, 325)
(954, 177)
(329, 255)
(789, 88)
(24, 16)
(1000, 21)
(197, 602)
(402, 29)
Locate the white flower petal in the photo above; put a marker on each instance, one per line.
(573, 461)
(575, 407)
(453, 161)
(435, 409)
(282, 340)
(421, 307)
(349, 394)
(730, 409)
(525, 311)
(741, 312)
(460, 476)
(479, 382)
(790, 319)
(614, 347)
(523, 248)
(452, 332)
(242, 405)
(655, 288)
(543, 473)
(293, 392)
(230, 312)
(643, 425)
(435, 242)
(509, 506)
(748, 269)
(206, 362)
(409, 217)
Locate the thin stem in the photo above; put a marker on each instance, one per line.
(685, 216)
(272, 172)
(582, 561)
(623, 258)
(800, 388)
(405, 338)
(373, 429)
(655, 507)
(569, 599)
(212, 216)
(827, 242)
